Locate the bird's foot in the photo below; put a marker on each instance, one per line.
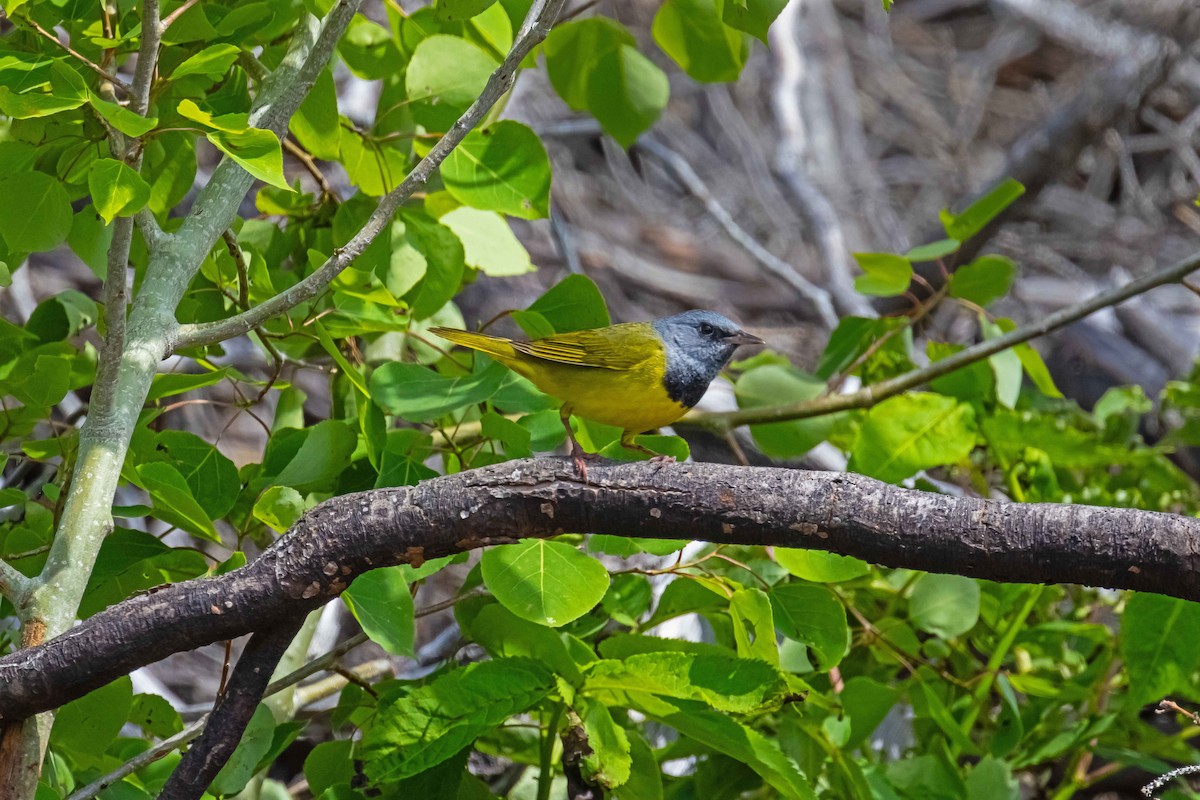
(662, 459)
(581, 457)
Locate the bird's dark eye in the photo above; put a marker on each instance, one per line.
(706, 329)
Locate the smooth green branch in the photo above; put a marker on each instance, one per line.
(537, 25)
(870, 395)
(13, 585)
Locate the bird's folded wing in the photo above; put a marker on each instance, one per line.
(600, 348)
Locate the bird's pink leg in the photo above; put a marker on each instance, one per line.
(578, 454)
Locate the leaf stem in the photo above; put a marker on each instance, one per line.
(545, 767)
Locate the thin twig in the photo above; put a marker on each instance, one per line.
(87, 62)
(309, 164)
(871, 395)
(239, 261)
(176, 14)
(682, 171)
(537, 25)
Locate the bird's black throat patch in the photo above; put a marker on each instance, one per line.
(684, 383)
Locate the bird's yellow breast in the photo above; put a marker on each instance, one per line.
(634, 398)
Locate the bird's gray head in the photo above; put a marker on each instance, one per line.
(698, 343)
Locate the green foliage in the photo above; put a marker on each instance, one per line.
(806, 653)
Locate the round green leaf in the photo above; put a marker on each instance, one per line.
(983, 281)
(820, 567)
(946, 605)
(812, 615)
(35, 212)
(381, 602)
(117, 191)
(627, 93)
(915, 431)
(501, 168)
(488, 242)
(550, 583)
(693, 34)
(444, 76)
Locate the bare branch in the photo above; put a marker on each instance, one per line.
(537, 25)
(682, 171)
(809, 200)
(147, 63)
(13, 585)
(870, 395)
(842, 513)
(228, 720)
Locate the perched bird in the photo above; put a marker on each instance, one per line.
(637, 375)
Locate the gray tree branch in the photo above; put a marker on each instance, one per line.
(841, 513)
(868, 396)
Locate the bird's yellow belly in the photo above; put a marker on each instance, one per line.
(634, 399)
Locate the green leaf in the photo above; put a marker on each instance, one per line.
(724, 682)
(34, 104)
(572, 304)
(971, 221)
(754, 625)
(814, 616)
(381, 602)
(505, 635)
(87, 726)
(1006, 367)
(155, 716)
(550, 583)
(254, 744)
(117, 191)
(328, 764)
(35, 212)
(279, 507)
(911, 432)
(444, 76)
(489, 245)
(887, 274)
(501, 168)
(169, 384)
(984, 281)
(121, 118)
(213, 478)
(595, 66)
(820, 567)
(316, 124)
(419, 394)
(431, 723)
(256, 150)
(46, 384)
(945, 605)
(867, 701)
(229, 123)
(771, 385)
(645, 776)
(133, 561)
(609, 762)
(1160, 642)
(457, 10)
(174, 501)
(933, 251)
(752, 16)
(992, 779)
(309, 460)
(694, 35)
(444, 263)
(725, 735)
(213, 62)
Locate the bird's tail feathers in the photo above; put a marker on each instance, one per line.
(495, 346)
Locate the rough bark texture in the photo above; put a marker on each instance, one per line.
(842, 513)
(228, 721)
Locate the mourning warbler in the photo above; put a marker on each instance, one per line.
(637, 375)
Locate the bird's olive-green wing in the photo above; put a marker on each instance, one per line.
(615, 347)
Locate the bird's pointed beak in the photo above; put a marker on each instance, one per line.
(741, 337)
